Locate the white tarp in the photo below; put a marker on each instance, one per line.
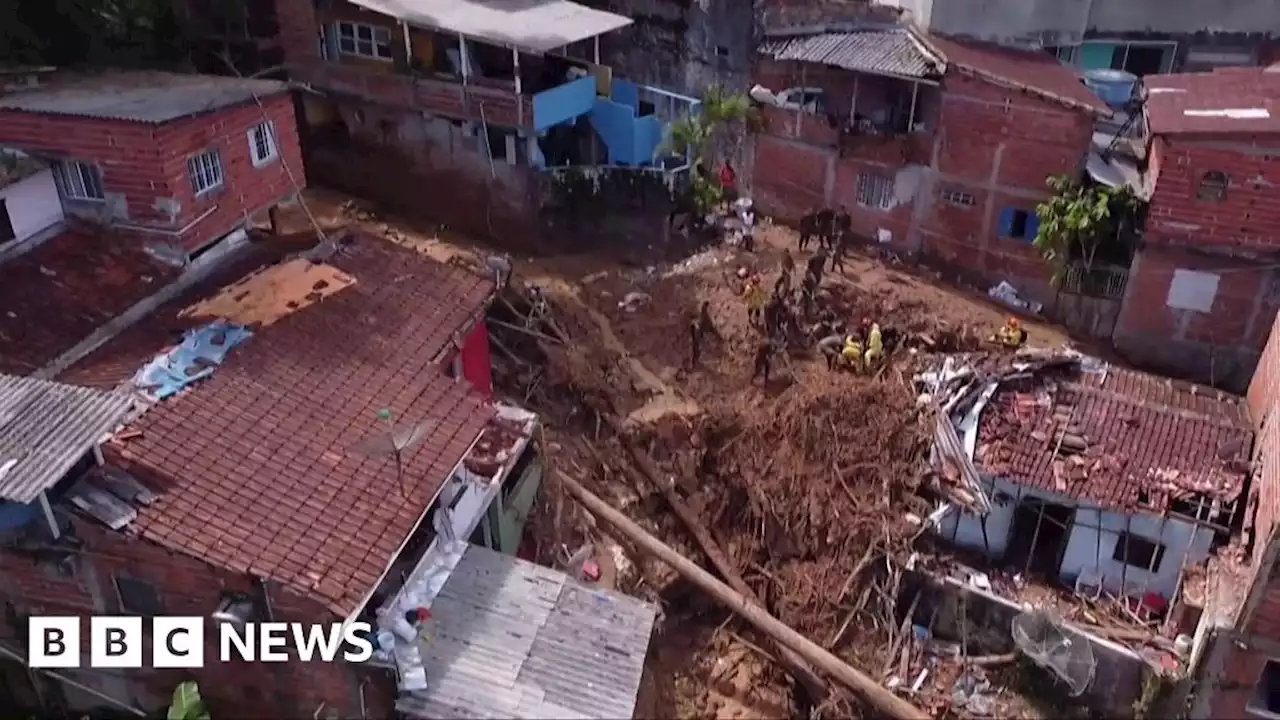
(533, 25)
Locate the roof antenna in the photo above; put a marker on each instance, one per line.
(394, 442)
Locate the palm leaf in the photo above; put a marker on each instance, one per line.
(187, 703)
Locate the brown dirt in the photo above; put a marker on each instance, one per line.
(797, 480)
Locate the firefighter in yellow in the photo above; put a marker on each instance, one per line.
(875, 344)
(1011, 334)
(753, 294)
(851, 353)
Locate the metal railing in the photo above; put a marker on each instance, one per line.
(1108, 281)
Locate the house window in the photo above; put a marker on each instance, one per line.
(958, 198)
(205, 170)
(1213, 186)
(1266, 694)
(1138, 552)
(262, 143)
(78, 181)
(366, 41)
(875, 191)
(138, 597)
(1019, 224)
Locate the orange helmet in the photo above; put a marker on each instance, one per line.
(1013, 322)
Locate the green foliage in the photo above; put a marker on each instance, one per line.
(722, 116)
(101, 33)
(187, 703)
(1079, 219)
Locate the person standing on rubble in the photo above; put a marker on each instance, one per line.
(773, 314)
(753, 294)
(699, 330)
(808, 229)
(829, 347)
(784, 278)
(816, 265)
(761, 361)
(843, 236)
(851, 353)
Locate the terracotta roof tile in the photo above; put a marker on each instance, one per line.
(258, 465)
(1215, 101)
(1148, 443)
(1037, 72)
(58, 293)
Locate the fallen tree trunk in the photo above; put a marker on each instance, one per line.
(866, 688)
(813, 684)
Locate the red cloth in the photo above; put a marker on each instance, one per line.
(727, 176)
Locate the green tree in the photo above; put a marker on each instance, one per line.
(187, 703)
(721, 120)
(89, 33)
(1079, 220)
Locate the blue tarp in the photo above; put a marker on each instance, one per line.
(201, 350)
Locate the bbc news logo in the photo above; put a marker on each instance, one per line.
(179, 642)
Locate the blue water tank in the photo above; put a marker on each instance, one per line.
(1115, 87)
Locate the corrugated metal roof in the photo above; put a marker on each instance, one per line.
(534, 26)
(147, 97)
(46, 428)
(516, 640)
(884, 51)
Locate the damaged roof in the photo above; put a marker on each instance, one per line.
(269, 465)
(881, 51)
(56, 294)
(1226, 101)
(1035, 72)
(1117, 439)
(137, 96)
(48, 427)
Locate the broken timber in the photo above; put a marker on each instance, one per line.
(813, 684)
(866, 688)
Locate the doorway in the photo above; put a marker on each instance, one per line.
(1038, 539)
(7, 233)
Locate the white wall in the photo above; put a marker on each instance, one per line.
(33, 204)
(1092, 542)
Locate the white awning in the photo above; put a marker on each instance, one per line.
(533, 25)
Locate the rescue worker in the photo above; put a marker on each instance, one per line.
(788, 267)
(816, 265)
(830, 347)
(773, 314)
(1011, 334)
(699, 329)
(754, 295)
(826, 223)
(875, 346)
(851, 354)
(760, 364)
(808, 228)
(843, 236)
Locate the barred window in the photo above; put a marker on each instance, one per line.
(875, 191)
(78, 181)
(205, 171)
(262, 143)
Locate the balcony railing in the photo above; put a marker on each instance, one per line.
(1107, 282)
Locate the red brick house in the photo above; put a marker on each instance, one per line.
(172, 162)
(1202, 288)
(1236, 656)
(935, 146)
(265, 482)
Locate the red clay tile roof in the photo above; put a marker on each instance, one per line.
(58, 293)
(257, 465)
(120, 358)
(1148, 443)
(1205, 95)
(1036, 72)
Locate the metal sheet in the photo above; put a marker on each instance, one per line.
(519, 640)
(880, 51)
(148, 97)
(46, 428)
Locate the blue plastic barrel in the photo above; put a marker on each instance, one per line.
(1115, 87)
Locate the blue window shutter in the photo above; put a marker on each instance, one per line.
(1006, 223)
(1033, 226)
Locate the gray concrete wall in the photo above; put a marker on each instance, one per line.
(1055, 22)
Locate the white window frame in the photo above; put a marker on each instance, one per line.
(874, 191)
(364, 41)
(959, 198)
(205, 172)
(262, 143)
(79, 181)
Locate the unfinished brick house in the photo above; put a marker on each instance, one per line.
(469, 101)
(170, 162)
(1202, 288)
(252, 473)
(1236, 655)
(935, 146)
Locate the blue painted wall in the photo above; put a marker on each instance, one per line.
(566, 102)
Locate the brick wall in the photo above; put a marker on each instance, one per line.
(185, 586)
(1247, 218)
(247, 190)
(995, 145)
(144, 167)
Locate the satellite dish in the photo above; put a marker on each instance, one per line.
(394, 440)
